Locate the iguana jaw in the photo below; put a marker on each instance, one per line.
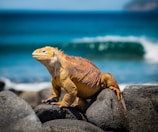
(40, 57)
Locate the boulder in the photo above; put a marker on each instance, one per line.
(44, 93)
(30, 97)
(142, 105)
(47, 112)
(107, 112)
(16, 115)
(2, 85)
(69, 125)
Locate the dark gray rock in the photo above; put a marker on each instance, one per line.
(2, 85)
(45, 93)
(68, 125)
(107, 112)
(47, 112)
(142, 105)
(16, 115)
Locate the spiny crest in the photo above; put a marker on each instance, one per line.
(55, 49)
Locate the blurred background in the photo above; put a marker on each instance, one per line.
(120, 37)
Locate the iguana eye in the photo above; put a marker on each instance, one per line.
(43, 51)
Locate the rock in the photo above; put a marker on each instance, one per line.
(16, 115)
(46, 93)
(47, 112)
(142, 5)
(2, 85)
(142, 105)
(17, 92)
(31, 97)
(68, 125)
(107, 112)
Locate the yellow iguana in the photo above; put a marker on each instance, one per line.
(79, 77)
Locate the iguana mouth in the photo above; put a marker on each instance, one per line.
(35, 55)
(38, 56)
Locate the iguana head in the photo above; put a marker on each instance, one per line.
(46, 55)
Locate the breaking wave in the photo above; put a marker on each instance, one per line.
(118, 46)
(109, 47)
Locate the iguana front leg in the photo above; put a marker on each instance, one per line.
(71, 92)
(56, 90)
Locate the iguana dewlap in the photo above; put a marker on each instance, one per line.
(79, 77)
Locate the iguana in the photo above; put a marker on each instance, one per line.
(79, 77)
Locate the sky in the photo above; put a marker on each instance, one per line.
(63, 4)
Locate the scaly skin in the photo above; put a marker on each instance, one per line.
(79, 77)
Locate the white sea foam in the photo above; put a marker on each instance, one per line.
(25, 86)
(42, 85)
(125, 86)
(151, 50)
(150, 47)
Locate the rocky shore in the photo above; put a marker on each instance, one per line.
(23, 111)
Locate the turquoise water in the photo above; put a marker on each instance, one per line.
(124, 44)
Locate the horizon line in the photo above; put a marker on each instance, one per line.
(69, 11)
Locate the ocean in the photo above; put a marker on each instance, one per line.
(122, 43)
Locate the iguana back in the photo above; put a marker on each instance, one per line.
(83, 71)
